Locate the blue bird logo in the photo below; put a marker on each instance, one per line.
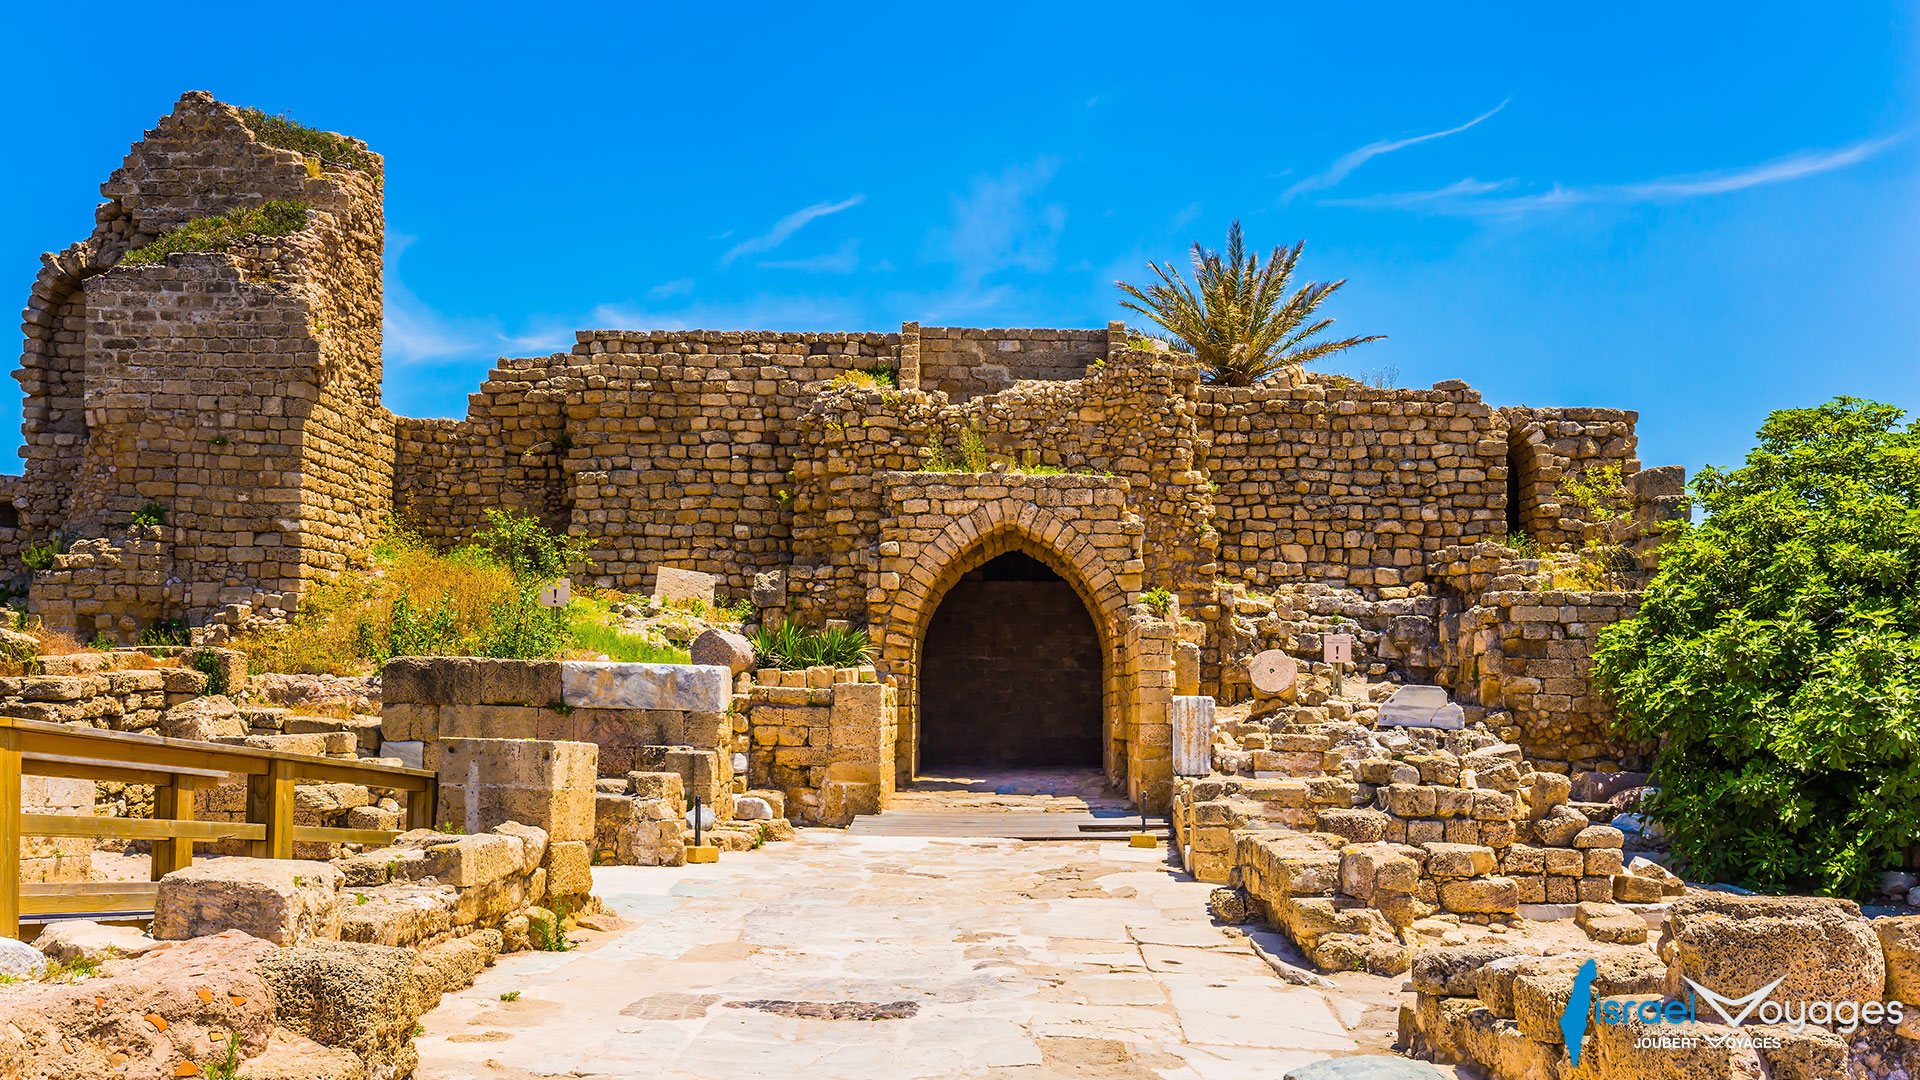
(1573, 1022)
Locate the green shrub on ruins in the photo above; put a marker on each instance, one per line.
(479, 599)
(288, 134)
(150, 514)
(39, 555)
(218, 232)
(791, 647)
(1776, 655)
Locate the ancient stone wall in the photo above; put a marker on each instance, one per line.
(682, 728)
(237, 391)
(1348, 484)
(1546, 447)
(507, 454)
(965, 363)
(825, 738)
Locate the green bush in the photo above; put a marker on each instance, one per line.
(1159, 601)
(1777, 656)
(531, 552)
(218, 232)
(150, 514)
(169, 631)
(790, 647)
(40, 554)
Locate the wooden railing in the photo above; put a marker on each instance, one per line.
(175, 768)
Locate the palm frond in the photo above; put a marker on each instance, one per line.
(1237, 316)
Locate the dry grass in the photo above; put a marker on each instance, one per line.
(338, 620)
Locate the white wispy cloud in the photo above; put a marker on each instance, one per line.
(1475, 198)
(667, 289)
(414, 333)
(844, 260)
(1000, 223)
(1344, 165)
(787, 226)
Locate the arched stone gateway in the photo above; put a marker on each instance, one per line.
(1077, 527)
(1011, 673)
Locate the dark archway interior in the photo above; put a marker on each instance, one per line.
(1010, 672)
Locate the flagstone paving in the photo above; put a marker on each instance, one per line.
(902, 957)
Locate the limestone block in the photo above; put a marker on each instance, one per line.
(1599, 836)
(751, 808)
(1900, 943)
(674, 585)
(468, 680)
(1450, 971)
(1602, 862)
(722, 648)
(1563, 862)
(1823, 948)
(1358, 826)
(1480, 896)
(285, 901)
(1459, 860)
(1610, 923)
(1559, 825)
(70, 940)
(1408, 800)
(330, 798)
(1186, 669)
(657, 785)
(205, 719)
(468, 861)
(401, 915)
(71, 1029)
(1368, 870)
(1542, 986)
(1545, 791)
(1670, 882)
(364, 998)
(569, 868)
(1633, 889)
(549, 785)
(600, 685)
(652, 843)
(1310, 873)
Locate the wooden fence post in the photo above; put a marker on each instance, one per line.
(270, 803)
(420, 806)
(9, 833)
(172, 802)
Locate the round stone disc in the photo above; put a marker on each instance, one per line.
(1272, 671)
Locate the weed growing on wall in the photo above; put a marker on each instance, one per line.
(289, 134)
(275, 217)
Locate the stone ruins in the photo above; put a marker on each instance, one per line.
(1338, 635)
(238, 393)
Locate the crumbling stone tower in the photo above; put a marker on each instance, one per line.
(238, 392)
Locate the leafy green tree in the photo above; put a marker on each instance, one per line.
(1237, 317)
(1777, 656)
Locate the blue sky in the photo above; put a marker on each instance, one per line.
(1702, 214)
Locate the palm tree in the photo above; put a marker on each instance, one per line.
(1240, 324)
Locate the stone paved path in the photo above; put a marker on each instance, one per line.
(961, 958)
